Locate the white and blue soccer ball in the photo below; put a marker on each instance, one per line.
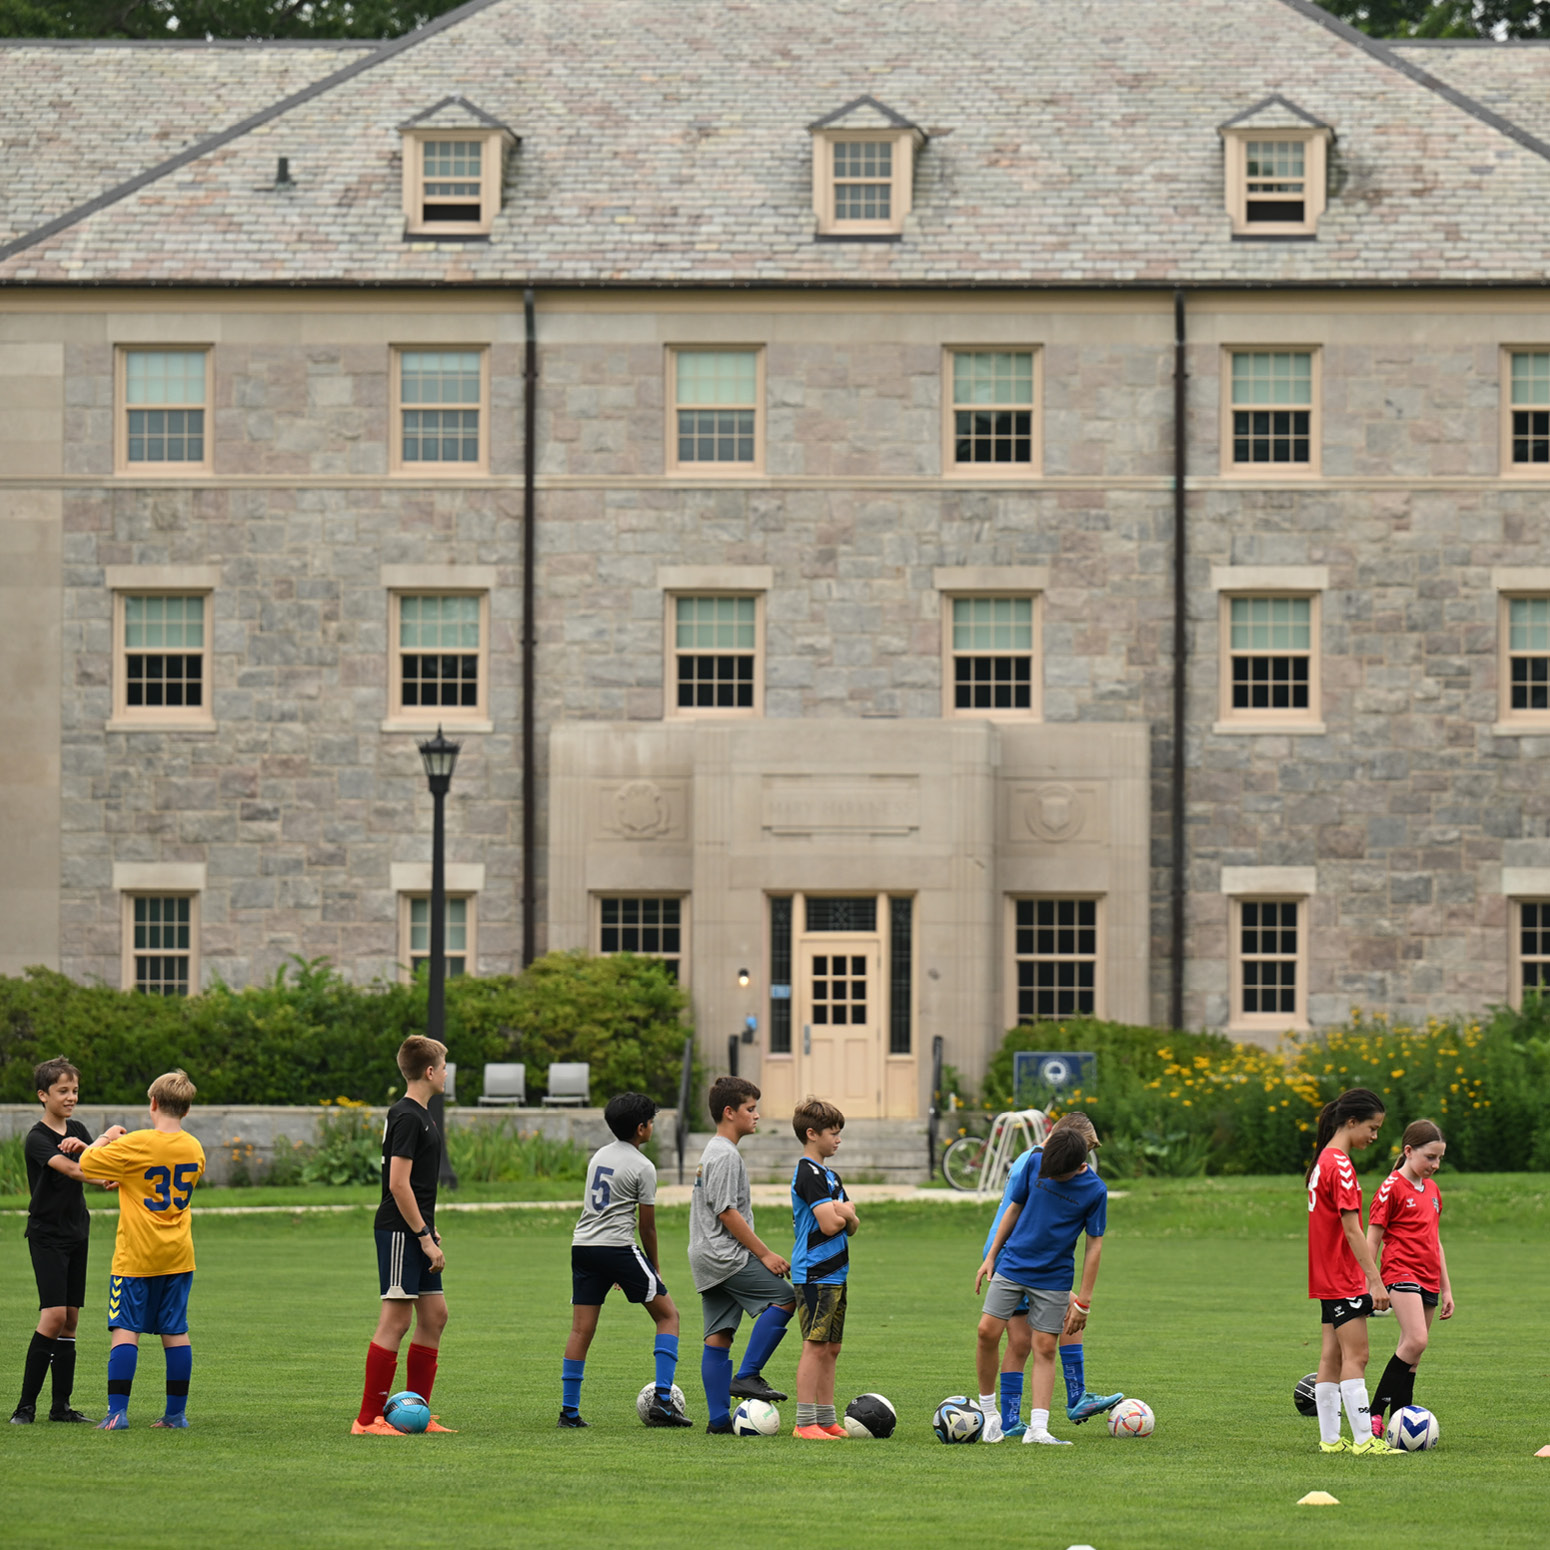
(1413, 1429)
(406, 1411)
(644, 1399)
(756, 1418)
(958, 1419)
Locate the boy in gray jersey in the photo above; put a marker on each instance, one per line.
(733, 1270)
(621, 1183)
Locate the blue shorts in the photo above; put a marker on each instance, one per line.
(402, 1268)
(150, 1305)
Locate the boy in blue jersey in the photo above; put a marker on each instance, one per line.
(1081, 1405)
(1033, 1257)
(823, 1221)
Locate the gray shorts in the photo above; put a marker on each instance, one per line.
(1046, 1309)
(750, 1290)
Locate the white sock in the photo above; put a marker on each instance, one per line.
(1327, 1397)
(989, 1406)
(1038, 1420)
(1354, 1392)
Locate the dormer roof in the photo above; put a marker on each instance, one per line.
(866, 112)
(1274, 112)
(457, 113)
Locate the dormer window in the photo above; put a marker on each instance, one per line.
(863, 170)
(1276, 160)
(454, 155)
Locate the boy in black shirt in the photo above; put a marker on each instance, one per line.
(58, 1230)
(409, 1256)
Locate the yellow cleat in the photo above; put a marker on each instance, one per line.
(1376, 1447)
(1340, 1445)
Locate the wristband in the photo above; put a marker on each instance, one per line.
(1081, 1307)
(423, 1232)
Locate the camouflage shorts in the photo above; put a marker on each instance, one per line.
(821, 1312)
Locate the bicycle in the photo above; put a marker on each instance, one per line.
(979, 1164)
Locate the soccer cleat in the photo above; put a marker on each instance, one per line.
(1089, 1405)
(1046, 1439)
(172, 1423)
(992, 1430)
(24, 1415)
(813, 1433)
(720, 1428)
(434, 1425)
(665, 1415)
(1377, 1426)
(570, 1421)
(1014, 1431)
(1376, 1447)
(1339, 1445)
(67, 1414)
(836, 1431)
(114, 1421)
(754, 1387)
(377, 1428)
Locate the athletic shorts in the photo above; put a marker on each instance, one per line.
(402, 1268)
(1044, 1308)
(821, 1312)
(597, 1268)
(150, 1305)
(1341, 1310)
(750, 1290)
(1428, 1298)
(60, 1273)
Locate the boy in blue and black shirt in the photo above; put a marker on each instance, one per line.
(823, 1221)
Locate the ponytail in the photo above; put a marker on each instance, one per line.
(1357, 1103)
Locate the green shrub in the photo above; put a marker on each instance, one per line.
(350, 1151)
(13, 1167)
(499, 1154)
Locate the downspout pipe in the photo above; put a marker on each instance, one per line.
(529, 634)
(1176, 786)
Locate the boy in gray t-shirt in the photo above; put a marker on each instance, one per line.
(621, 1184)
(733, 1271)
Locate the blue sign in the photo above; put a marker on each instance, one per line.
(1039, 1075)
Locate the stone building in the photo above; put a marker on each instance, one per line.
(903, 661)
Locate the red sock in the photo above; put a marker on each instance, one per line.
(422, 1370)
(381, 1364)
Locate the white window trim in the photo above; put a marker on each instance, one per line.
(951, 467)
(671, 709)
(125, 581)
(491, 177)
(1315, 180)
(905, 142)
(121, 407)
(1274, 473)
(1230, 581)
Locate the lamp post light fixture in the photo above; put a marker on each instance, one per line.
(439, 757)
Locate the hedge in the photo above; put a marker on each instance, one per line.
(311, 1036)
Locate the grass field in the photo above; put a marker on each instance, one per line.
(1200, 1312)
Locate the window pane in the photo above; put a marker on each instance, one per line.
(993, 377)
(992, 624)
(1275, 166)
(440, 376)
(649, 926)
(1272, 623)
(1531, 378)
(452, 168)
(164, 376)
(1272, 377)
(718, 376)
(1056, 951)
(438, 623)
(716, 623)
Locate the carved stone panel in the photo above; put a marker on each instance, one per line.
(640, 810)
(853, 805)
(1055, 812)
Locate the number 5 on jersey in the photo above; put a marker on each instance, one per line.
(602, 1190)
(173, 1186)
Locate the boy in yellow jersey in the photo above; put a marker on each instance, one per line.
(153, 1260)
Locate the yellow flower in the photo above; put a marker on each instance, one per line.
(1399, 1072)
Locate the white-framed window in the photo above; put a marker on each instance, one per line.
(1531, 948)
(162, 425)
(452, 179)
(991, 654)
(1525, 667)
(1526, 421)
(648, 925)
(161, 943)
(1056, 958)
(717, 399)
(1269, 963)
(414, 932)
(440, 410)
(439, 657)
(864, 170)
(992, 401)
(161, 659)
(1271, 412)
(1270, 658)
(716, 654)
(1276, 177)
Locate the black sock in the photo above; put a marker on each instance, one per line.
(39, 1354)
(1391, 1386)
(64, 1372)
(1406, 1393)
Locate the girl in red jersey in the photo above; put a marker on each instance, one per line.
(1404, 1221)
(1342, 1273)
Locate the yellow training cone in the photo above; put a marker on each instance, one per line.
(1317, 1499)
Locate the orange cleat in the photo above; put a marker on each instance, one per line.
(378, 1428)
(814, 1433)
(436, 1426)
(835, 1431)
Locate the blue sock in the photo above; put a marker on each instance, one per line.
(180, 1363)
(716, 1375)
(1076, 1373)
(1011, 1398)
(768, 1331)
(121, 1376)
(571, 1374)
(665, 1353)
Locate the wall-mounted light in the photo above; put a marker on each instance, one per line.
(742, 978)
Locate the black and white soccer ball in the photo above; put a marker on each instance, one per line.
(870, 1415)
(1303, 1395)
(958, 1420)
(643, 1401)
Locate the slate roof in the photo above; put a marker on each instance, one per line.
(1513, 78)
(63, 136)
(1070, 144)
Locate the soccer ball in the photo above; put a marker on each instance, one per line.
(644, 1399)
(870, 1415)
(756, 1418)
(1131, 1418)
(1413, 1429)
(406, 1412)
(956, 1420)
(1303, 1395)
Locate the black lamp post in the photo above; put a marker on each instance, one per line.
(440, 759)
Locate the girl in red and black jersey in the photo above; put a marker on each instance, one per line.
(1342, 1273)
(1404, 1222)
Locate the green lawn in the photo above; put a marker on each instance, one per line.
(1200, 1312)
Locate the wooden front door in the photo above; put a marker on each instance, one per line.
(841, 1020)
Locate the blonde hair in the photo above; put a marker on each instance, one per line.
(172, 1093)
(1080, 1123)
(417, 1054)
